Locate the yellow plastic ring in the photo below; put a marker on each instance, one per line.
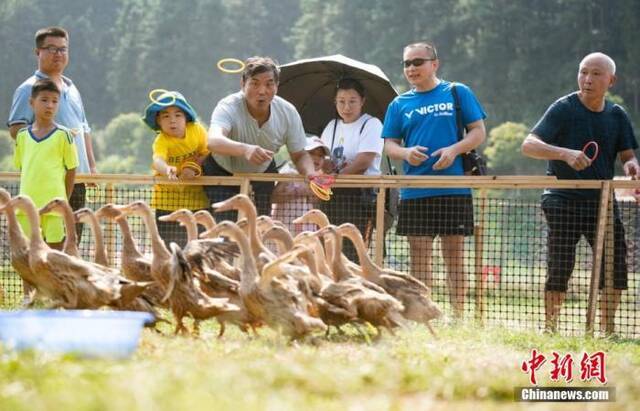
(153, 93)
(237, 70)
(192, 165)
(322, 195)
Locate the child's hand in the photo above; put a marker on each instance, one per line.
(328, 166)
(187, 173)
(172, 173)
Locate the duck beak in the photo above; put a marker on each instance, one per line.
(124, 210)
(45, 209)
(221, 206)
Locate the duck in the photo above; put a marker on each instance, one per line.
(215, 281)
(172, 270)
(197, 251)
(333, 309)
(145, 302)
(272, 297)
(18, 247)
(86, 215)
(67, 280)
(320, 219)
(280, 236)
(61, 207)
(373, 304)
(205, 219)
(243, 203)
(413, 294)
(134, 265)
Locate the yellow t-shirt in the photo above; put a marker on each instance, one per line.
(43, 163)
(174, 151)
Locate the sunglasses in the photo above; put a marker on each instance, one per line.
(417, 62)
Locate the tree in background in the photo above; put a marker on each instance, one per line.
(6, 151)
(517, 55)
(503, 151)
(124, 146)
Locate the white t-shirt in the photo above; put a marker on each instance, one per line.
(283, 127)
(349, 141)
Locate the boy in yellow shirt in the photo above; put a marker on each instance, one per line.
(47, 159)
(178, 152)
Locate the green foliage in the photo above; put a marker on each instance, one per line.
(115, 164)
(503, 151)
(121, 49)
(6, 143)
(6, 163)
(124, 145)
(6, 151)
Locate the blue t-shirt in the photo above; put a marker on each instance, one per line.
(428, 119)
(568, 123)
(70, 113)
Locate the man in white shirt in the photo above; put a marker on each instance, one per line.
(248, 127)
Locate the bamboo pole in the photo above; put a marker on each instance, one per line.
(379, 251)
(609, 253)
(490, 182)
(110, 229)
(245, 186)
(478, 235)
(597, 256)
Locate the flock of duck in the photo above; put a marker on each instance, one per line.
(302, 287)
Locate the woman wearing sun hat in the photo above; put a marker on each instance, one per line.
(178, 151)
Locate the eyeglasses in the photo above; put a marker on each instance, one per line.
(55, 50)
(417, 62)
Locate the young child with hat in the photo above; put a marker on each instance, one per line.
(293, 199)
(178, 151)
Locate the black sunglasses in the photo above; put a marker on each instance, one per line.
(417, 62)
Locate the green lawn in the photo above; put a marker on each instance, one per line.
(465, 368)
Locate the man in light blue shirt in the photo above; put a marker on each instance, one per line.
(420, 129)
(52, 52)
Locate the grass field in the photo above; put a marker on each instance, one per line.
(465, 368)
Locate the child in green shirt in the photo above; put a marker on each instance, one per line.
(46, 157)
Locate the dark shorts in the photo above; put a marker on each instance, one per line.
(261, 189)
(77, 201)
(436, 216)
(568, 221)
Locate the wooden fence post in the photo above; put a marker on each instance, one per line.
(478, 233)
(379, 252)
(597, 255)
(110, 229)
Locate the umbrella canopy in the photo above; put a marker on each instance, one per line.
(310, 85)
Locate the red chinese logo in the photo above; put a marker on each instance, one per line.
(591, 367)
(533, 365)
(562, 367)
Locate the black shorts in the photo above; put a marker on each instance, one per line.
(436, 216)
(261, 189)
(568, 221)
(77, 201)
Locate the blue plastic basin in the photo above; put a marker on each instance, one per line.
(88, 333)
